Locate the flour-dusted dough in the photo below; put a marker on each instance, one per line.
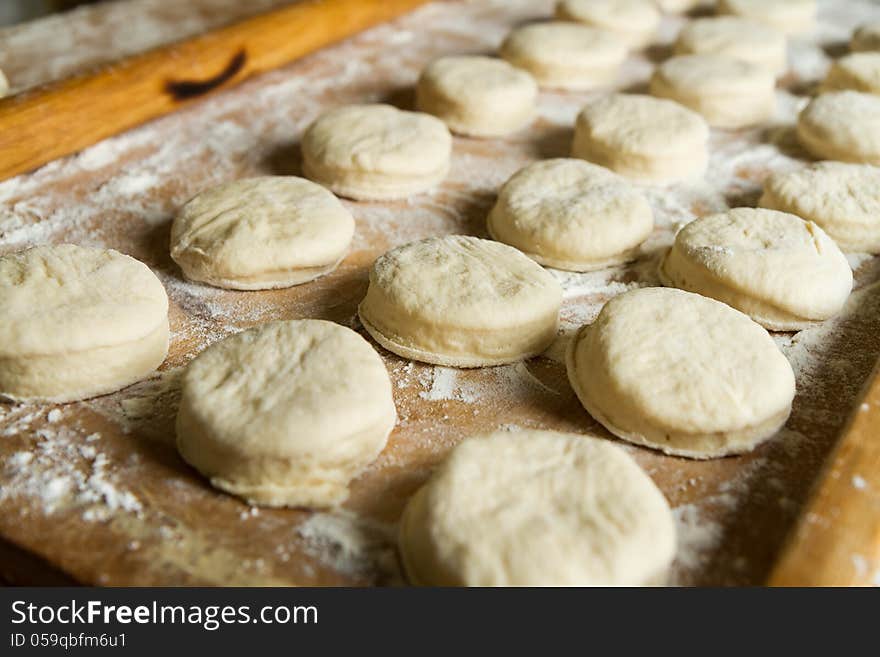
(729, 93)
(842, 126)
(537, 508)
(788, 16)
(635, 21)
(571, 214)
(681, 373)
(461, 301)
(76, 322)
(735, 37)
(866, 38)
(844, 199)
(261, 233)
(477, 96)
(643, 138)
(678, 6)
(4, 85)
(565, 55)
(782, 271)
(376, 152)
(858, 72)
(287, 413)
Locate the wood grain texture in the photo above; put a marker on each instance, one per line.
(61, 118)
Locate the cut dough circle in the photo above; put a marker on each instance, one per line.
(538, 508)
(787, 16)
(635, 21)
(477, 96)
(782, 271)
(681, 373)
(76, 322)
(571, 214)
(735, 37)
(462, 302)
(844, 199)
(842, 126)
(287, 413)
(261, 233)
(866, 38)
(376, 152)
(565, 55)
(677, 6)
(643, 138)
(858, 72)
(727, 92)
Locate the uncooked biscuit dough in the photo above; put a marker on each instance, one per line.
(681, 373)
(461, 301)
(729, 93)
(844, 199)
(76, 322)
(285, 414)
(635, 21)
(787, 16)
(858, 72)
(842, 126)
(571, 214)
(261, 233)
(376, 152)
(678, 6)
(477, 96)
(537, 508)
(782, 271)
(643, 138)
(866, 38)
(565, 55)
(735, 37)
(4, 85)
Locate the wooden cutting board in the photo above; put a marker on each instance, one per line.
(94, 491)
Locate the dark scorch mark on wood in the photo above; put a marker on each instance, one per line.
(187, 89)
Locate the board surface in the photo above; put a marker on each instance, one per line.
(95, 491)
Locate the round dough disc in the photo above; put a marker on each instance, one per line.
(564, 55)
(635, 21)
(461, 301)
(287, 413)
(572, 215)
(858, 72)
(735, 37)
(681, 373)
(76, 322)
(677, 6)
(866, 38)
(376, 152)
(643, 138)
(537, 508)
(782, 271)
(477, 96)
(261, 233)
(787, 16)
(842, 126)
(844, 199)
(729, 93)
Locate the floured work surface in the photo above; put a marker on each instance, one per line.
(96, 489)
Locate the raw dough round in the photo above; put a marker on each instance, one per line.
(782, 271)
(572, 215)
(537, 508)
(842, 126)
(787, 16)
(4, 85)
(287, 413)
(261, 233)
(681, 373)
(729, 93)
(735, 37)
(677, 6)
(564, 55)
(477, 96)
(859, 72)
(643, 138)
(376, 152)
(461, 301)
(866, 38)
(844, 199)
(635, 21)
(76, 322)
